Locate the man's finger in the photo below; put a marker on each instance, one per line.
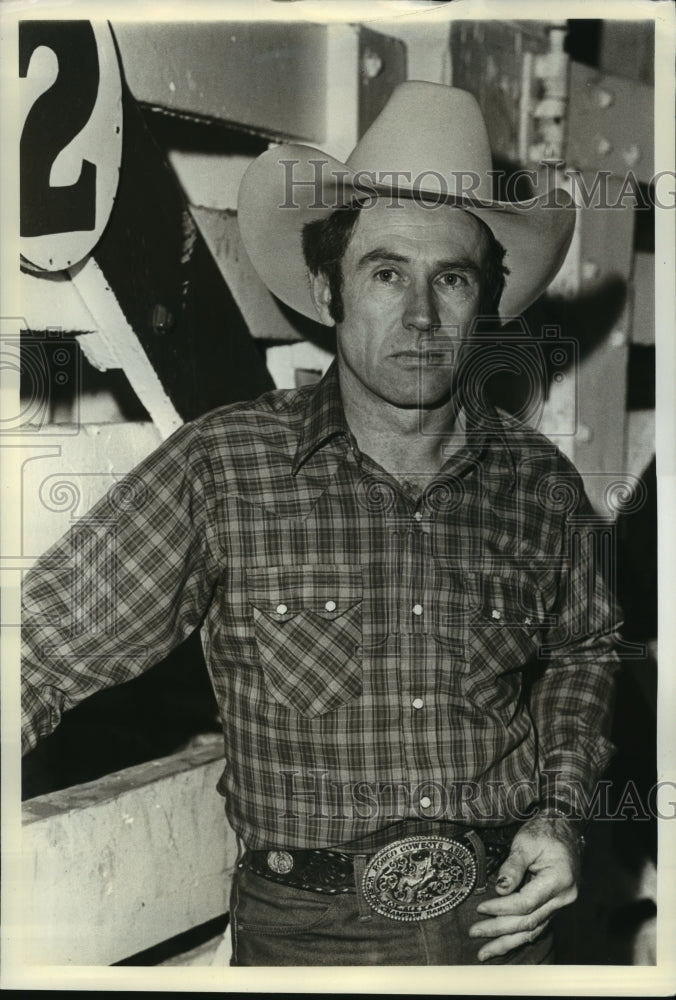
(512, 871)
(533, 895)
(505, 944)
(497, 926)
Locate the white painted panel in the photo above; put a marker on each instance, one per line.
(60, 484)
(283, 360)
(50, 302)
(120, 864)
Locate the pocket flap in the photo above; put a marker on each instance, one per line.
(327, 590)
(511, 601)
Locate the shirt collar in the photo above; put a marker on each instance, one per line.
(324, 419)
(491, 428)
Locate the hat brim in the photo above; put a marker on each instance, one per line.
(272, 213)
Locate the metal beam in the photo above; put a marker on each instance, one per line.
(270, 78)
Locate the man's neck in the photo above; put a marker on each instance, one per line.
(411, 443)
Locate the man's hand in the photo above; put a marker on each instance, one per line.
(538, 877)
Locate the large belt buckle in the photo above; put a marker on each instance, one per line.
(419, 877)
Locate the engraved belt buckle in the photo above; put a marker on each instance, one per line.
(419, 877)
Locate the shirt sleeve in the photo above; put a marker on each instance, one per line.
(128, 582)
(572, 694)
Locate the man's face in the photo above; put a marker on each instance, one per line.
(407, 271)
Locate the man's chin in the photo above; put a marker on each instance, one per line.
(415, 400)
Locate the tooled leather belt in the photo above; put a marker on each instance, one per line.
(412, 878)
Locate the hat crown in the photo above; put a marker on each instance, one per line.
(428, 137)
(425, 128)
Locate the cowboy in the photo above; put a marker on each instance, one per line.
(408, 637)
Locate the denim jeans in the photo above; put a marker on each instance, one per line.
(273, 924)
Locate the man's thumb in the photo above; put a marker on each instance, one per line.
(511, 872)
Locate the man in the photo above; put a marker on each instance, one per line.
(407, 635)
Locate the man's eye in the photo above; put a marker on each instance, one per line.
(386, 275)
(453, 280)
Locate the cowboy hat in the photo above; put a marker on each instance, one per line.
(429, 142)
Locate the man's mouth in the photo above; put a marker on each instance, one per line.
(429, 357)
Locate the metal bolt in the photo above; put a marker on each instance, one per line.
(162, 321)
(632, 155)
(371, 64)
(604, 98)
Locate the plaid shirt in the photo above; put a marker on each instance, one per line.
(378, 652)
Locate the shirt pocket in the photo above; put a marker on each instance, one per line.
(308, 630)
(507, 626)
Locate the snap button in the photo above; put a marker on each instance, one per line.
(281, 609)
(496, 614)
(417, 703)
(417, 609)
(528, 621)
(330, 606)
(418, 515)
(426, 802)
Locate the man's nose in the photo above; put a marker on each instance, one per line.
(420, 311)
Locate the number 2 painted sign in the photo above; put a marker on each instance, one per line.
(71, 140)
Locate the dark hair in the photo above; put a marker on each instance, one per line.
(326, 240)
(324, 244)
(493, 272)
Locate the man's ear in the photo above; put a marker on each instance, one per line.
(321, 296)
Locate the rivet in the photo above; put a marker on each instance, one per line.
(604, 98)
(632, 155)
(590, 270)
(371, 64)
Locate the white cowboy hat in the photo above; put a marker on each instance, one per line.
(430, 140)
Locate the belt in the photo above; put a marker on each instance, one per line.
(408, 879)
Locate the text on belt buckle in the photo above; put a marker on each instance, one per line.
(419, 877)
